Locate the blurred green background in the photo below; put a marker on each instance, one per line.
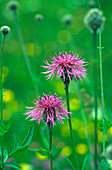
(42, 40)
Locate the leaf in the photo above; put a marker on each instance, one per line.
(5, 152)
(28, 138)
(104, 165)
(101, 128)
(13, 165)
(33, 149)
(16, 141)
(44, 152)
(87, 161)
(8, 125)
(57, 153)
(70, 162)
(16, 144)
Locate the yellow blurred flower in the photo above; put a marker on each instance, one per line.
(5, 73)
(65, 130)
(82, 132)
(60, 88)
(6, 114)
(30, 49)
(8, 95)
(100, 136)
(74, 104)
(82, 149)
(64, 37)
(110, 131)
(41, 156)
(91, 128)
(76, 123)
(12, 105)
(66, 151)
(25, 166)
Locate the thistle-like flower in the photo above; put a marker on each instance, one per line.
(49, 108)
(94, 19)
(66, 66)
(5, 30)
(13, 5)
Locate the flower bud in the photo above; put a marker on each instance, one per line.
(38, 17)
(67, 19)
(94, 19)
(91, 4)
(13, 5)
(5, 30)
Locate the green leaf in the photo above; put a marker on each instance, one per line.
(57, 153)
(28, 138)
(44, 152)
(8, 125)
(5, 153)
(104, 164)
(33, 149)
(16, 144)
(87, 161)
(70, 162)
(101, 128)
(13, 165)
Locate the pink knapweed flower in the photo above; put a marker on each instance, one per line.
(49, 108)
(66, 67)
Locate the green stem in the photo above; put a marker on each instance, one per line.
(95, 95)
(24, 51)
(83, 116)
(51, 160)
(101, 80)
(1, 93)
(70, 126)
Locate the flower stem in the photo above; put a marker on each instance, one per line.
(1, 93)
(51, 160)
(70, 126)
(101, 79)
(95, 94)
(24, 51)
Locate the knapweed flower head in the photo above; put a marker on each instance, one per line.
(48, 108)
(94, 19)
(5, 30)
(66, 66)
(67, 19)
(38, 17)
(13, 5)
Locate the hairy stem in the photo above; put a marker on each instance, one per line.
(101, 80)
(95, 95)
(1, 93)
(71, 133)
